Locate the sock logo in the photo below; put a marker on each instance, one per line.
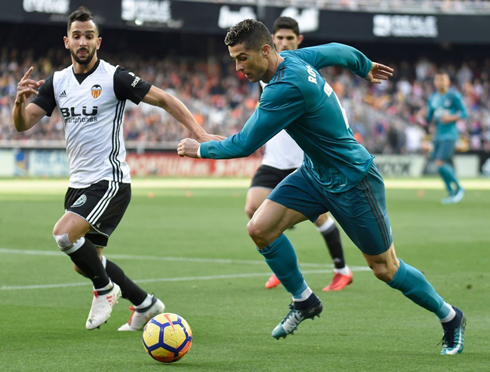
(80, 201)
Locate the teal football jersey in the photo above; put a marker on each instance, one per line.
(450, 103)
(299, 100)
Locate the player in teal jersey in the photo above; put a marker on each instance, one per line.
(446, 107)
(282, 156)
(338, 174)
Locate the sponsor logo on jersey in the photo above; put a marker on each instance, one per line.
(62, 94)
(67, 112)
(80, 201)
(96, 91)
(135, 81)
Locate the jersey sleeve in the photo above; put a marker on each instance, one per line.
(460, 106)
(45, 99)
(430, 109)
(280, 105)
(335, 54)
(129, 86)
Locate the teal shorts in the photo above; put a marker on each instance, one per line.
(360, 211)
(443, 150)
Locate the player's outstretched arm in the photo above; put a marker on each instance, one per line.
(175, 107)
(379, 73)
(24, 117)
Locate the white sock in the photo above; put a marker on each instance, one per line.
(145, 303)
(326, 226)
(344, 271)
(449, 316)
(304, 296)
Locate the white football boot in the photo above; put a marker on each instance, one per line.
(102, 307)
(141, 316)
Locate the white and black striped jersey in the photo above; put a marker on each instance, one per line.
(92, 109)
(281, 151)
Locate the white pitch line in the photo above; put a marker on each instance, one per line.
(157, 258)
(157, 280)
(54, 186)
(326, 269)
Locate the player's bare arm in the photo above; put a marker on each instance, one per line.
(24, 117)
(188, 147)
(175, 107)
(379, 73)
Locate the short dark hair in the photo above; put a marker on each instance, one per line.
(253, 34)
(82, 14)
(287, 23)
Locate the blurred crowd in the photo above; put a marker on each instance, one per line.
(425, 6)
(384, 118)
(387, 118)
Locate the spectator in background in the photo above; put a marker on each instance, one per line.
(190, 80)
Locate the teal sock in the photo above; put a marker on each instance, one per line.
(413, 284)
(447, 173)
(281, 258)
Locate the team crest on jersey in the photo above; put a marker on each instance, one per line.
(96, 91)
(80, 201)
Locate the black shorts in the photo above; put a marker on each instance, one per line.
(102, 204)
(269, 177)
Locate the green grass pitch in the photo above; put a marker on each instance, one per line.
(188, 245)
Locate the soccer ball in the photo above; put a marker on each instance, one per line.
(167, 337)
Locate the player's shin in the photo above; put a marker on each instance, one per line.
(413, 284)
(281, 258)
(84, 254)
(447, 175)
(130, 290)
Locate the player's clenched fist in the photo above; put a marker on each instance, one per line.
(188, 147)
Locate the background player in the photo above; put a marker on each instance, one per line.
(283, 156)
(91, 96)
(445, 106)
(337, 175)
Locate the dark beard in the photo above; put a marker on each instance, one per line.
(84, 61)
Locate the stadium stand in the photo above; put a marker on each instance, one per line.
(382, 117)
(195, 67)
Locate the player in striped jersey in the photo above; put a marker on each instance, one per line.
(91, 95)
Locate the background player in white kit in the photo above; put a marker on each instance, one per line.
(281, 157)
(91, 96)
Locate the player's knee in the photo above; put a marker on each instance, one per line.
(65, 245)
(382, 272)
(63, 241)
(258, 233)
(253, 229)
(250, 210)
